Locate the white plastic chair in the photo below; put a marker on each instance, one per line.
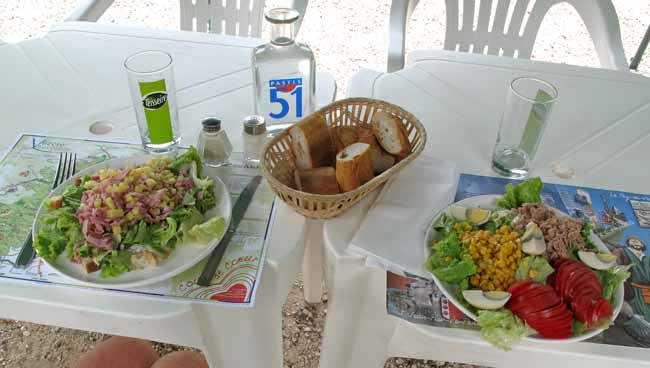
(508, 28)
(234, 17)
(231, 17)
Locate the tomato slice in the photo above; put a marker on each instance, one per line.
(559, 311)
(559, 262)
(554, 324)
(515, 288)
(514, 301)
(537, 304)
(582, 308)
(600, 311)
(567, 272)
(556, 334)
(579, 280)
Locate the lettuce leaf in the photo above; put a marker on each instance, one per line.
(207, 198)
(457, 271)
(612, 278)
(445, 224)
(449, 262)
(501, 328)
(187, 217)
(528, 191)
(185, 160)
(208, 230)
(72, 193)
(59, 230)
(166, 236)
(142, 233)
(586, 234)
(116, 263)
(534, 268)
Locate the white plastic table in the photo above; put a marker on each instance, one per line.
(59, 84)
(600, 128)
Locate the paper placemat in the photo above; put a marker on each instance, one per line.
(26, 174)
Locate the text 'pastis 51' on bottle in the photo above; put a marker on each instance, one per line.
(283, 71)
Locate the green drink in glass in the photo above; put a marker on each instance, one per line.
(151, 82)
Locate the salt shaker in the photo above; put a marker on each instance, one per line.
(254, 137)
(214, 146)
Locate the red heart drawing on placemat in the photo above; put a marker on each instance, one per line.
(236, 294)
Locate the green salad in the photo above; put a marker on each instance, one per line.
(120, 220)
(521, 268)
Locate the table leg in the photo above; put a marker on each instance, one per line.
(312, 265)
(358, 331)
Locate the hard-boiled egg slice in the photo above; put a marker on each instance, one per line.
(486, 300)
(534, 246)
(458, 212)
(478, 216)
(532, 231)
(595, 260)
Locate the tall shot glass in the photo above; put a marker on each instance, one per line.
(151, 82)
(526, 114)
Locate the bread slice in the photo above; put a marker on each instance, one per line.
(317, 181)
(391, 134)
(354, 166)
(344, 136)
(381, 160)
(311, 143)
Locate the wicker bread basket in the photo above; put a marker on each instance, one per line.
(278, 160)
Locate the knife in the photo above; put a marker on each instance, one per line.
(244, 200)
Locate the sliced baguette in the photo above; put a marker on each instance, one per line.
(344, 136)
(317, 181)
(354, 166)
(311, 143)
(391, 134)
(381, 160)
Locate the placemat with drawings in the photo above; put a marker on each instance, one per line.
(26, 174)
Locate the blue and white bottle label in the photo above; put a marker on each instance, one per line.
(286, 99)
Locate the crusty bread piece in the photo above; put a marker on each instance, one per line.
(381, 160)
(144, 260)
(354, 166)
(317, 181)
(391, 134)
(311, 143)
(89, 265)
(344, 136)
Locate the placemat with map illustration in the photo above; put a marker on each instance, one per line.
(620, 219)
(26, 174)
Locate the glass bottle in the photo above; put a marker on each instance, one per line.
(254, 136)
(283, 72)
(214, 146)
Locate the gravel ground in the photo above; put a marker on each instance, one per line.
(361, 42)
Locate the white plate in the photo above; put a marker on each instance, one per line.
(184, 256)
(489, 202)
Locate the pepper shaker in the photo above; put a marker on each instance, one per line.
(254, 136)
(214, 146)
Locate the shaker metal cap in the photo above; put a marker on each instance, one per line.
(211, 124)
(254, 125)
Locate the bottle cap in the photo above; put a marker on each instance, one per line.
(211, 124)
(254, 125)
(282, 15)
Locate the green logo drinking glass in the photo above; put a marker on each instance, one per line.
(528, 108)
(151, 82)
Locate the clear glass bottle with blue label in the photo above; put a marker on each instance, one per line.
(283, 72)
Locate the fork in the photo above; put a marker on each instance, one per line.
(64, 171)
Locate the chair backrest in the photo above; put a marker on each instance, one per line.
(233, 17)
(510, 27)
